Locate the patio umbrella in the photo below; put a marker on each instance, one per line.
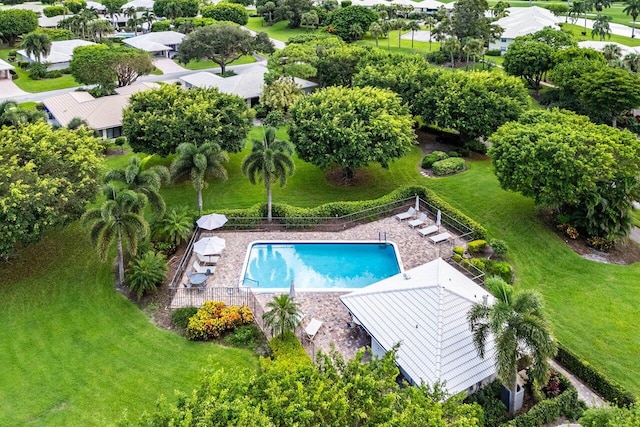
(211, 221)
(417, 208)
(292, 290)
(438, 218)
(209, 246)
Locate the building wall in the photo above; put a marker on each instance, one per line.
(502, 44)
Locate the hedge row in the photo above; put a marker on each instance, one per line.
(291, 215)
(548, 410)
(608, 389)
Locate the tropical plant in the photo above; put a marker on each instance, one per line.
(11, 114)
(430, 21)
(632, 8)
(473, 48)
(450, 46)
(144, 181)
(270, 161)
(37, 45)
(413, 26)
(199, 161)
(611, 51)
(283, 314)
(147, 18)
(598, 5)
(601, 27)
(175, 226)
(76, 122)
(519, 328)
(580, 7)
(376, 31)
(146, 273)
(119, 220)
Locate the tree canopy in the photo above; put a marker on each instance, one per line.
(564, 161)
(292, 10)
(351, 128)
(530, 59)
(16, 22)
(223, 11)
(48, 178)
(342, 22)
(176, 8)
(157, 121)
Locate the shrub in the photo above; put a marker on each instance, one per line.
(37, 70)
(120, 141)
(75, 6)
(11, 56)
(180, 316)
(245, 336)
(453, 154)
(448, 166)
(601, 244)
(493, 52)
(231, 12)
(216, 318)
(164, 25)
(275, 119)
(546, 411)
(53, 74)
(608, 389)
(457, 258)
(495, 412)
(477, 246)
(476, 146)
(479, 263)
(458, 250)
(499, 247)
(48, 1)
(10, 2)
(501, 269)
(287, 350)
(51, 11)
(431, 158)
(436, 57)
(146, 273)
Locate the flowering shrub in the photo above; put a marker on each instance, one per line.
(215, 318)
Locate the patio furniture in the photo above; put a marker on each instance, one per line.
(410, 213)
(440, 237)
(421, 220)
(204, 269)
(312, 329)
(198, 279)
(428, 230)
(207, 259)
(202, 287)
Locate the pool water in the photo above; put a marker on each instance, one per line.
(319, 265)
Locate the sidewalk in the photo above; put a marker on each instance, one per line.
(584, 393)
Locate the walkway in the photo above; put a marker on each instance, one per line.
(167, 66)
(584, 393)
(8, 89)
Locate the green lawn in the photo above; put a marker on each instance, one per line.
(278, 31)
(391, 43)
(577, 30)
(200, 65)
(25, 83)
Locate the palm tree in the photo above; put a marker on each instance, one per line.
(519, 327)
(376, 31)
(37, 45)
(601, 27)
(99, 28)
(450, 46)
(611, 51)
(633, 62)
(84, 19)
(172, 10)
(413, 26)
(578, 8)
(176, 226)
(11, 114)
(269, 161)
(632, 8)
(147, 182)
(473, 48)
(600, 4)
(198, 162)
(430, 21)
(147, 18)
(76, 122)
(118, 220)
(283, 316)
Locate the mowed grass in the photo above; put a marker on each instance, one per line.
(577, 30)
(200, 65)
(76, 352)
(25, 83)
(278, 31)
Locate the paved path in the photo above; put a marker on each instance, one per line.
(635, 234)
(167, 66)
(584, 393)
(276, 43)
(8, 89)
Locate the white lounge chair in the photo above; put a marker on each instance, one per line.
(428, 230)
(207, 259)
(406, 215)
(421, 220)
(440, 237)
(312, 329)
(206, 269)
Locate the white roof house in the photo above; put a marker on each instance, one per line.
(5, 69)
(429, 5)
(247, 83)
(523, 21)
(61, 53)
(599, 46)
(52, 22)
(102, 114)
(425, 310)
(96, 6)
(139, 4)
(161, 42)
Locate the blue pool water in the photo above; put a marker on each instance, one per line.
(326, 265)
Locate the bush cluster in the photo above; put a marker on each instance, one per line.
(431, 158)
(610, 390)
(287, 350)
(51, 11)
(180, 316)
(477, 246)
(216, 318)
(499, 247)
(448, 166)
(489, 267)
(226, 12)
(493, 52)
(600, 243)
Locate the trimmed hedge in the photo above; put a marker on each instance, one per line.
(610, 390)
(548, 410)
(287, 350)
(448, 166)
(290, 215)
(477, 246)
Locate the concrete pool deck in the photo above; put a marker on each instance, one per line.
(414, 250)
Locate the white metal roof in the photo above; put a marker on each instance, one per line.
(523, 21)
(4, 65)
(52, 22)
(429, 4)
(599, 46)
(155, 42)
(61, 51)
(99, 113)
(139, 4)
(96, 6)
(425, 310)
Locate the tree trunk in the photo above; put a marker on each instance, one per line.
(269, 216)
(614, 122)
(389, 41)
(120, 262)
(512, 398)
(376, 41)
(348, 174)
(633, 30)
(412, 34)
(199, 200)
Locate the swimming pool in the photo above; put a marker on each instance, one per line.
(319, 265)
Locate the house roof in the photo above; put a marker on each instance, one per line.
(425, 310)
(599, 46)
(246, 84)
(61, 51)
(429, 4)
(523, 21)
(99, 113)
(96, 6)
(52, 22)
(4, 65)
(139, 4)
(155, 42)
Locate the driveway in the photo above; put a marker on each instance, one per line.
(167, 66)
(9, 90)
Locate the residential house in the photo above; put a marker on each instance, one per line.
(161, 43)
(522, 21)
(60, 56)
(5, 69)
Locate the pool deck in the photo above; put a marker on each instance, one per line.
(325, 306)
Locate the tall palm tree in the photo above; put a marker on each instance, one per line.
(283, 316)
(147, 18)
(118, 220)
(199, 161)
(580, 7)
(37, 45)
(519, 327)
(144, 181)
(413, 26)
(376, 31)
(269, 161)
(598, 5)
(632, 8)
(430, 21)
(99, 28)
(601, 27)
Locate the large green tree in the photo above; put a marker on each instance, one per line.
(292, 10)
(529, 59)
(518, 326)
(583, 170)
(270, 162)
(47, 179)
(16, 22)
(223, 11)
(157, 121)
(609, 92)
(468, 21)
(222, 44)
(475, 104)
(199, 161)
(341, 21)
(118, 220)
(351, 128)
(176, 8)
(36, 44)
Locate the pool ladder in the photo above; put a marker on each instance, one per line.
(382, 237)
